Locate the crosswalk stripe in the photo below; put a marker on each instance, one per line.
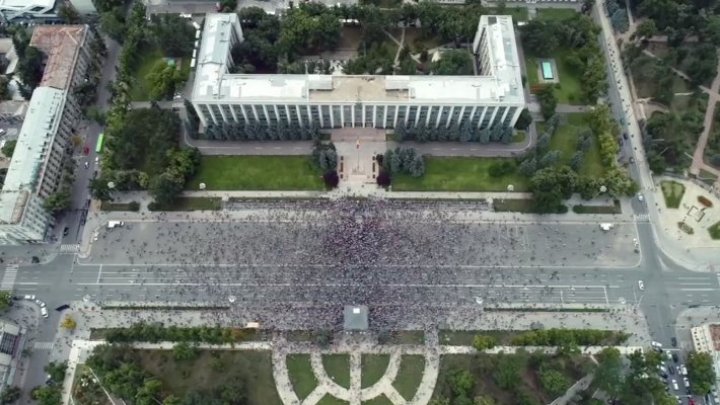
(642, 217)
(8, 280)
(43, 345)
(70, 248)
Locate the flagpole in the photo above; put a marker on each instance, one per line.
(357, 147)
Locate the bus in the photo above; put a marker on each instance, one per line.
(99, 144)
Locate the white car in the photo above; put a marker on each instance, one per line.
(44, 312)
(40, 303)
(640, 197)
(675, 385)
(97, 159)
(87, 165)
(641, 285)
(29, 297)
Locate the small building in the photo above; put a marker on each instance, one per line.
(84, 6)
(9, 340)
(706, 339)
(27, 11)
(355, 318)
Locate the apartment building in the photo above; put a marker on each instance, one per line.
(37, 166)
(492, 97)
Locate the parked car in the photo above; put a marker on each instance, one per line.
(675, 357)
(29, 297)
(40, 303)
(66, 231)
(673, 341)
(44, 312)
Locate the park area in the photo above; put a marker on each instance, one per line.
(460, 174)
(257, 173)
(568, 88)
(566, 140)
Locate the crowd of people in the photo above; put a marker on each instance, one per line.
(294, 264)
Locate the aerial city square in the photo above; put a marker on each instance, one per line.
(373, 202)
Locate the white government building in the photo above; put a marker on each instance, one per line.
(493, 97)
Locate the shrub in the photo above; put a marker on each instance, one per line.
(383, 179)
(704, 201)
(134, 206)
(331, 179)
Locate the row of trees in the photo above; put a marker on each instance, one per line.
(146, 332)
(465, 132)
(541, 38)
(259, 131)
(570, 337)
(403, 161)
(638, 384)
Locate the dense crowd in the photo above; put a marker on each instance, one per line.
(298, 263)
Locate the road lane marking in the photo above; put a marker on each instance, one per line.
(698, 289)
(99, 276)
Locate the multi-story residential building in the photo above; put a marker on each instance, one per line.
(12, 11)
(492, 97)
(37, 166)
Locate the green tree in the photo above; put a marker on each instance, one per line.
(57, 201)
(183, 351)
(9, 148)
(539, 37)
(483, 342)
(174, 34)
(646, 29)
(10, 395)
(4, 91)
(162, 79)
(68, 14)
(454, 62)
(701, 372)
(56, 371)
(30, 68)
(608, 375)
(524, 120)
(47, 395)
(548, 101)
(166, 187)
(5, 300)
(112, 22)
(227, 6)
(553, 381)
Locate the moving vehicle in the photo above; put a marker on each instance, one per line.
(683, 370)
(673, 341)
(87, 165)
(675, 357)
(675, 385)
(641, 287)
(113, 224)
(66, 231)
(605, 226)
(62, 307)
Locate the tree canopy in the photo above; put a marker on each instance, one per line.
(453, 62)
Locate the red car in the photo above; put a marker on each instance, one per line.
(86, 151)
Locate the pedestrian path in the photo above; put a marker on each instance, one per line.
(8, 280)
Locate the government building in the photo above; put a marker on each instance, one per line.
(492, 97)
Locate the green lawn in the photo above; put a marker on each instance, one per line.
(568, 90)
(331, 400)
(597, 209)
(715, 231)
(405, 337)
(526, 206)
(212, 369)
(566, 141)
(409, 375)
(301, 374)
(555, 13)
(673, 193)
(373, 367)
(140, 90)
(379, 400)
(111, 206)
(337, 367)
(459, 174)
(517, 13)
(257, 173)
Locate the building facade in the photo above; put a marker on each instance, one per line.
(492, 97)
(38, 164)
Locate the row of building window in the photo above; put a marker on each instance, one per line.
(360, 115)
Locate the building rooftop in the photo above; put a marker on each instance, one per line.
(355, 317)
(36, 136)
(503, 83)
(19, 4)
(214, 51)
(61, 44)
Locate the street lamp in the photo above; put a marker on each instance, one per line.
(603, 189)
